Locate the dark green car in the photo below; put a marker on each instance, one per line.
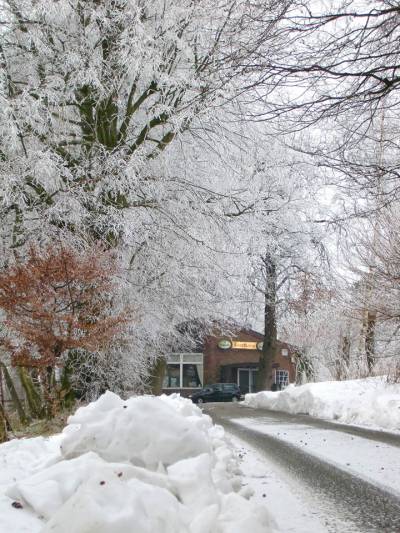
(218, 392)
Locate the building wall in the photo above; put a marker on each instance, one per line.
(221, 365)
(216, 358)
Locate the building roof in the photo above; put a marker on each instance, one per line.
(192, 334)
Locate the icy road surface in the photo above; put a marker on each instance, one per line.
(316, 476)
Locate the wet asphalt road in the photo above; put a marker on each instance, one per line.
(343, 497)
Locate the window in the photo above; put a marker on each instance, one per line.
(184, 371)
(190, 376)
(230, 387)
(281, 379)
(285, 352)
(172, 377)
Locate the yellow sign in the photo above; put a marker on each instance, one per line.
(239, 345)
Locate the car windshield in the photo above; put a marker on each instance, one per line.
(221, 387)
(213, 387)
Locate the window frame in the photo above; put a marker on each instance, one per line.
(286, 382)
(186, 358)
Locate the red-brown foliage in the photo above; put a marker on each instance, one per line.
(58, 299)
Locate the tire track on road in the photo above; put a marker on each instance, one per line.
(344, 496)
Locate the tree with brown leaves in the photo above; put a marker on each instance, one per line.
(58, 299)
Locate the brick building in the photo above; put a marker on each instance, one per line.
(227, 359)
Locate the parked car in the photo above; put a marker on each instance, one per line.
(217, 392)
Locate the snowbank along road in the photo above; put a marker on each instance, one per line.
(331, 477)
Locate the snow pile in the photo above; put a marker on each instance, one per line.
(19, 457)
(144, 465)
(368, 402)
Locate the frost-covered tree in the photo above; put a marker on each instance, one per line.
(275, 236)
(116, 124)
(375, 262)
(339, 56)
(316, 322)
(109, 120)
(93, 92)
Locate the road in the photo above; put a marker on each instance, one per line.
(339, 478)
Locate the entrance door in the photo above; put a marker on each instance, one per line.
(247, 379)
(253, 380)
(244, 380)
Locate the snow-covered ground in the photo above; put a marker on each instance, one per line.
(143, 465)
(292, 506)
(367, 402)
(375, 462)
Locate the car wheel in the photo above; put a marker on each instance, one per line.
(200, 401)
(235, 399)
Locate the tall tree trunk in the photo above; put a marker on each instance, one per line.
(2, 398)
(270, 333)
(32, 395)
(304, 369)
(3, 425)
(342, 361)
(370, 340)
(157, 376)
(48, 391)
(14, 395)
(3, 420)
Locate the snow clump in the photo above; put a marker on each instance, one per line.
(142, 465)
(367, 402)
